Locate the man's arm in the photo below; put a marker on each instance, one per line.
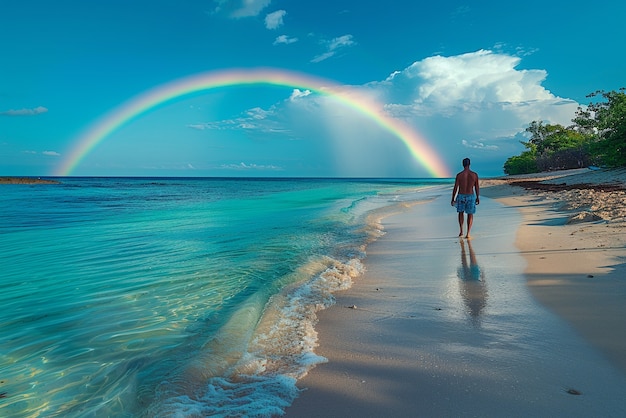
(477, 188)
(454, 190)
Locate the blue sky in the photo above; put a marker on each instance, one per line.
(468, 76)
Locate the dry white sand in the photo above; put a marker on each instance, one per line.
(439, 326)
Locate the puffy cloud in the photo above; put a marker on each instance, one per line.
(333, 46)
(284, 39)
(297, 93)
(476, 104)
(25, 112)
(479, 78)
(480, 90)
(275, 19)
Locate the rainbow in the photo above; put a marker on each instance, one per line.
(144, 102)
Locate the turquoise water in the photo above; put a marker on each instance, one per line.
(173, 297)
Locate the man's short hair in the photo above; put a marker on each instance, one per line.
(466, 162)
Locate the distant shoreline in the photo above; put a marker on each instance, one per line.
(26, 180)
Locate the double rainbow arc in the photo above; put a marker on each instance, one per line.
(145, 102)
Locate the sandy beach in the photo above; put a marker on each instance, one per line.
(526, 319)
(574, 240)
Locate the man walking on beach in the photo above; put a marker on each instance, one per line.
(465, 184)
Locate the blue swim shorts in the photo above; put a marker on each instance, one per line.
(466, 203)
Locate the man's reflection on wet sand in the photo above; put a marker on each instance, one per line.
(472, 284)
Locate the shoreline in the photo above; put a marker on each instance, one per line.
(441, 345)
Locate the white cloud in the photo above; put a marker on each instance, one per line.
(25, 112)
(345, 40)
(333, 46)
(244, 166)
(241, 8)
(297, 93)
(479, 82)
(48, 153)
(478, 145)
(477, 101)
(275, 19)
(257, 113)
(476, 104)
(322, 57)
(284, 39)
(256, 119)
(479, 77)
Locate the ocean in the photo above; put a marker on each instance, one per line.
(148, 297)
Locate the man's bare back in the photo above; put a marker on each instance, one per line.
(467, 180)
(467, 191)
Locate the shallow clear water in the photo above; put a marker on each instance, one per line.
(155, 297)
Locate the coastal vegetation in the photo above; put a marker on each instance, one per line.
(26, 180)
(597, 137)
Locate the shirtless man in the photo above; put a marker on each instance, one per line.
(465, 184)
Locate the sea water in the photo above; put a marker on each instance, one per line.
(146, 297)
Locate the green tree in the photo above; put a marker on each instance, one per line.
(605, 122)
(538, 134)
(598, 136)
(556, 147)
(550, 138)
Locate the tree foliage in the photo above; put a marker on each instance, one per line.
(606, 122)
(597, 136)
(521, 164)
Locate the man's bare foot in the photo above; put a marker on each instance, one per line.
(461, 234)
(468, 236)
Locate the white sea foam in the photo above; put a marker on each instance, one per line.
(262, 381)
(251, 396)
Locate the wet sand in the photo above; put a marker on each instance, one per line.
(441, 326)
(573, 236)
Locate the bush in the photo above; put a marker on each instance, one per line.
(521, 164)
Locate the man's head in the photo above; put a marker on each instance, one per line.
(466, 162)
